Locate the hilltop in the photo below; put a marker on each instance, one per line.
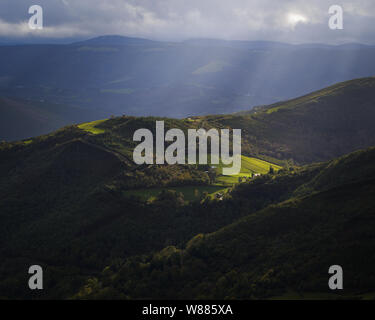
(316, 127)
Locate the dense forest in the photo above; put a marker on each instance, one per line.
(73, 202)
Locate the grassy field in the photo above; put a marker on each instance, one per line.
(189, 192)
(249, 166)
(92, 127)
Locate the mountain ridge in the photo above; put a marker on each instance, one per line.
(114, 79)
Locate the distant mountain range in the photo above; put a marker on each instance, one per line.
(118, 75)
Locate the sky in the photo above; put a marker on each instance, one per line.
(292, 21)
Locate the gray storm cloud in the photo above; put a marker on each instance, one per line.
(287, 20)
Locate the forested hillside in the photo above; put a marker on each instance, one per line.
(282, 250)
(74, 202)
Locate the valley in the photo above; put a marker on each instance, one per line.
(100, 77)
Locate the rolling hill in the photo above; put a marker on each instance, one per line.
(74, 202)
